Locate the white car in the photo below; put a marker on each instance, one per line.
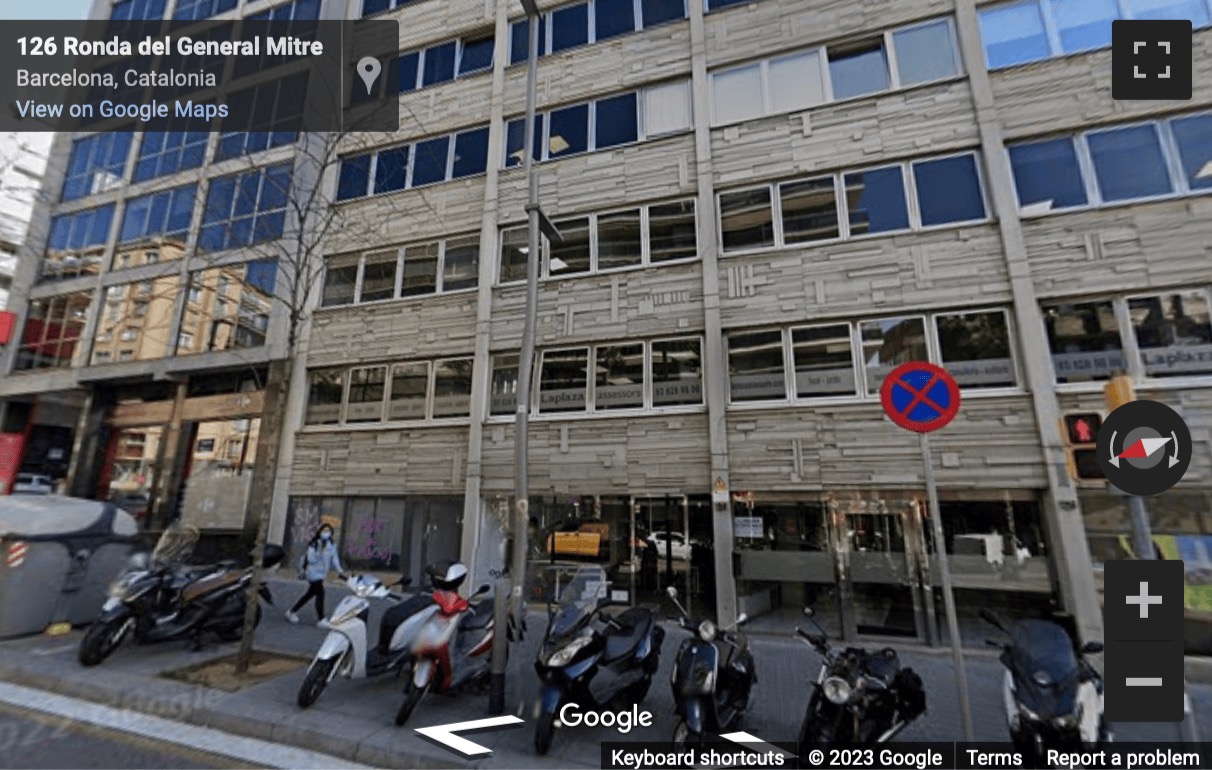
(671, 542)
(33, 484)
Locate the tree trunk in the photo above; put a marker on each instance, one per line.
(269, 447)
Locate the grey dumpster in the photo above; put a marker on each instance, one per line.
(58, 556)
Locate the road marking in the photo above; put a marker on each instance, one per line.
(1144, 681)
(169, 732)
(444, 735)
(53, 650)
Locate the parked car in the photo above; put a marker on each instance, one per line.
(671, 542)
(33, 484)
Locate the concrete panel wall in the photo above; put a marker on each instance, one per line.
(380, 462)
(400, 330)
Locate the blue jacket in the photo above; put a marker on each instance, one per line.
(319, 559)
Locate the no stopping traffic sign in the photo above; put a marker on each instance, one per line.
(920, 396)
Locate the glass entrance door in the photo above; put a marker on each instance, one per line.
(881, 549)
(663, 545)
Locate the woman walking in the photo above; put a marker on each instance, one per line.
(320, 558)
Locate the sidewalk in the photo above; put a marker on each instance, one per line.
(354, 720)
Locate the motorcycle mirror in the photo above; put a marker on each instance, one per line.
(742, 619)
(671, 592)
(482, 590)
(808, 612)
(1090, 648)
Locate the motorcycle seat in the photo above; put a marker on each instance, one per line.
(210, 584)
(882, 665)
(622, 639)
(479, 616)
(397, 614)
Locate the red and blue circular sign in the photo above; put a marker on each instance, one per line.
(920, 396)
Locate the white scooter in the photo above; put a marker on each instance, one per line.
(346, 650)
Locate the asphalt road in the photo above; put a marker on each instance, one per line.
(30, 740)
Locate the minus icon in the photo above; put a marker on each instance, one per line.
(1144, 681)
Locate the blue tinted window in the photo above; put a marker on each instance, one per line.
(1013, 34)
(371, 7)
(138, 10)
(476, 56)
(81, 229)
(1192, 10)
(569, 27)
(519, 44)
(949, 190)
(354, 178)
(1048, 171)
(613, 18)
(439, 64)
(616, 121)
(471, 153)
(660, 11)
(513, 143)
(569, 131)
(201, 9)
(1194, 139)
(163, 213)
(268, 115)
(1128, 163)
(877, 201)
(430, 163)
(166, 152)
(859, 71)
(95, 161)
(715, 5)
(1084, 24)
(391, 169)
(405, 73)
(243, 209)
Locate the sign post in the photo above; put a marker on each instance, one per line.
(922, 397)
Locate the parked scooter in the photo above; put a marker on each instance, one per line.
(712, 679)
(346, 650)
(594, 668)
(159, 600)
(859, 698)
(451, 640)
(1053, 696)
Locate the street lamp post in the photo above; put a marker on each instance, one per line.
(521, 486)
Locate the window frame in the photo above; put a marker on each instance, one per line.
(1132, 349)
(1016, 371)
(401, 255)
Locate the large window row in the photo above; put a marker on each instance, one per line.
(165, 214)
(901, 57)
(97, 163)
(372, 7)
(903, 196)
(1112, 165)
(845, 360)
(411, 391)
(436, 267)
(606, 378)
(643, 235)
(201, 9)
(77, 243)
(1029, 30)
(245, 208)
(406, 166)
(608, 122)
(272, 114)
(1171, 331)
(591, 22)
(437, 64)
(166, 152)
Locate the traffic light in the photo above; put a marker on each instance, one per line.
(1081, 452)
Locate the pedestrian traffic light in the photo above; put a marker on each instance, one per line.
(1080, 431)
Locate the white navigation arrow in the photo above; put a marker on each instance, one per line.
(445, 736)
(754, 743)
(1174, 457)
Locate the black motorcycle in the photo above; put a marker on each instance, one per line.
(859, 698)
(1053, 696)
(160, 601)
(592, 666)
(713, 677)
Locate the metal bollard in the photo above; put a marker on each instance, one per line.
(500, 642)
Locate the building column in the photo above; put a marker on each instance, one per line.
(1062, 512)
(715, 360)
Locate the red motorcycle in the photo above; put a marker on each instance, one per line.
(452, 648)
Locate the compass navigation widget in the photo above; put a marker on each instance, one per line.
(1144, 448)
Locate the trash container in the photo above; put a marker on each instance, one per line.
(58, 556)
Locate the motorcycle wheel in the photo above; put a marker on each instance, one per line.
(100, 641)
(315, 682)
(544, 732)
(412, 697)
(233, 633)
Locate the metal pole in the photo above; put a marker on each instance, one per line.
(940, 550)
(1142, 544)
(521, 487)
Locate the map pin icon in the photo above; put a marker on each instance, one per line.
(369, 69)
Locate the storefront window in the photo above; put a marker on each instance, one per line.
(888, 343)
(1085, 342)
(1173, 333)
(755, 366)
(564, 380)
(975, 349)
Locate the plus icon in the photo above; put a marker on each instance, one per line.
(1151, 59)
(1144, 600)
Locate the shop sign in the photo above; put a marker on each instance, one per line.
(747, 526)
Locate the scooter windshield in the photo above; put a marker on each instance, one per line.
(176, 544)
(1045, 667)
(578, 600)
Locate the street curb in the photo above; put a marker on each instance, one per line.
(229, 721)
